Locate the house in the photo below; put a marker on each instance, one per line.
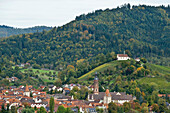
(12, 79)
(66, 91)
(13, 102)
(52, 87)
(137, 60)
(75, 110)
(90, 110)
(60, 89)
(62, 97)
(39, 104)
(23, 65)
(42, 87)
(123, 57)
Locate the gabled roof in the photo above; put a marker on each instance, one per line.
(122, 55)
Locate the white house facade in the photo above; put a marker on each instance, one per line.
(123, 57)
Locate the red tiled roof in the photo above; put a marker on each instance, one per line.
(66, 88)
(161, 95)
(26, 88)
(122, 55)
(107, 92)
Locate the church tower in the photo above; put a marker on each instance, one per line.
(107, 98)
(96, 85)
(27, 92)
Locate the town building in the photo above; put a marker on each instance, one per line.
(123, 57)
(107, 97)
(27, 92)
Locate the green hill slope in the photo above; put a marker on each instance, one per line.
(160, 83)
(158, 80)
(143, 30)
(99, 69)
(160, 69)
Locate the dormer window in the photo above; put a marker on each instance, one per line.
(118, 93)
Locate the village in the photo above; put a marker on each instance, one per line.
(27, 95)
(22, 96)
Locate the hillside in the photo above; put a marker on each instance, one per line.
(98, 69)
(142, 30)
(6, 31)
(109, 72)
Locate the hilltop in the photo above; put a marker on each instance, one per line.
(6, 31)
(142, 30)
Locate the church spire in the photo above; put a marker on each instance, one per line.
(96, 85)
(27, 92)
(26, 88)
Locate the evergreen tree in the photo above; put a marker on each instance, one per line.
(52, 104)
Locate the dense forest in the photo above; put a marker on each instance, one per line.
(6, 31)
(141, 30)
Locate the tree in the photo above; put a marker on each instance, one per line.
(8, 107)
(117, 89)
(126, 106)
(35, 108)
(41, 110)
(51, 104)
(36, 66)
(61, 109)
(144, 110)
(112, 107)
(58, 82)
(120, 109)
(155, 107)
(128, 6)
(3, 109)
(143, 60)
(99, 110)
(128, 53)
(68, 110)
(162, 105)
(13, 109)
(27, 110)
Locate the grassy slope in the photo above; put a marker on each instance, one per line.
(99, 69)
(41, 71)
(160, 69)
(45, 78)
(159, 82)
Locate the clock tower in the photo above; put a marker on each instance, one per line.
(96, 85)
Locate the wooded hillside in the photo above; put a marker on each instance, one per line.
(143, 30)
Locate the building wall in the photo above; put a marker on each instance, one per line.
(107, 99)
(38, 105)
(123, 58)
(120, 101)
(27, 94)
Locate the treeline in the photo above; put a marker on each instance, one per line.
(143, 30)
(6, 31)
